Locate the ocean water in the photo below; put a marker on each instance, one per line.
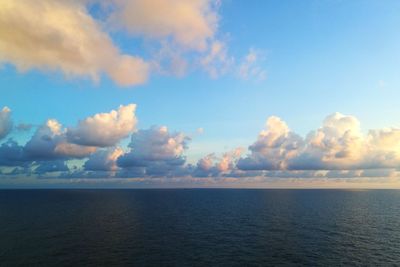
(199, 227)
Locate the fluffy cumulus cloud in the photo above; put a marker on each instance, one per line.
(52, 144)
(52, 140)
(104, 129)
(63, 36)
(275, 145)
(211, 165)
(157, 150)
(383, 148)
(338, 144)
(49, 142)
(5, 122)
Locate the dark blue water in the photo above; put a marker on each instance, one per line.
(219, 227)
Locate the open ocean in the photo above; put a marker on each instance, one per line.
(199, 227)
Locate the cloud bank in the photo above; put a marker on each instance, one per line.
(93, 149)
(337, 145)
(52, 144)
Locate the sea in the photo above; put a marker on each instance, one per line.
(199, 227)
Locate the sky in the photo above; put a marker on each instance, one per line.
(199, 93)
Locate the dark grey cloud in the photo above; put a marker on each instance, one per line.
(51, 166)
(12, 154)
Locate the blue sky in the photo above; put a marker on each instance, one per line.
(318, 57)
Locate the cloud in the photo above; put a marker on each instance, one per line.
(49, 142)
(383, 148)
(169, 37)
(332, 174)
(211, 165)
(62, 36)
(104, 160)
(51, 166)
(52, 143)
(189, 24)
(5, 122)
(250, 66)
(338, 144)
(274, 147)
(185, 31)
(337, 149)
(156, 143)
(155, 149)
(104, 129)
(12, 154)
(217, 61)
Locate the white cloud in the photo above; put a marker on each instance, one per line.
(62, 36)
(168, 60)
(338, 145)
(383, 148)
(274, 147)
(5, 122)
(250, 67)
(190, 24)
(186, 31)
(104, 129)
(155, 144)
